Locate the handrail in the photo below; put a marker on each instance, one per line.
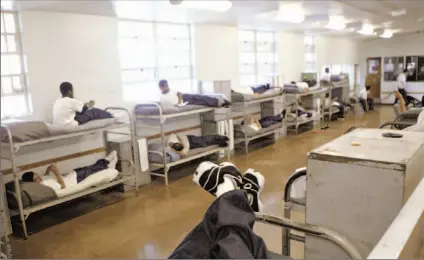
(313, 230)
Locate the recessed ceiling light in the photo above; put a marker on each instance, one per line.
(292, 13)
(6, 4)
(398, 12)
(217, 6)
(367, 29)
(336, 22)
(387, 34)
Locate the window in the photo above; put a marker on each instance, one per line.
(392, 67)
(337, 69)
(153, 51)
(15, 99)
(415, 67)
(258, 57)
(310, 53)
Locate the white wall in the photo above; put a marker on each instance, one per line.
(402, 45)
(291, 59)
(336, 50)
(81, 49)
(216, 53)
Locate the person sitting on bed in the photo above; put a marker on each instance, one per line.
(70, 179)
(68, 110)
(169, 97)
(181, 144)
(326, 77)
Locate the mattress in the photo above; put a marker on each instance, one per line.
(239, 134)
(24, 131)
(155, 158)
(238, 97)
(149, 109)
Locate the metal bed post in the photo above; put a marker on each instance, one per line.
(246, 141)
(312, 230)
(134, 144)
(162, 137)
(16, 182)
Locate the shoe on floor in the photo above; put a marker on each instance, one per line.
(253, 183)
(217, 179)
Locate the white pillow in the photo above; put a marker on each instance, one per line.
(243, 90)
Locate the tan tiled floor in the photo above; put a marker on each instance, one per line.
(152, 224)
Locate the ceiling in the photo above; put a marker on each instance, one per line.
(245, 13)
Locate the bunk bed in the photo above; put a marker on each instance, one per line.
(295, 105)
(5, 247)
(153, 115)
(12, 150)
(241, 102)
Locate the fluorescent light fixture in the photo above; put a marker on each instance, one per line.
(367, 29)
(336, 22)
(398, 12)
(387, 34)
(292, 13)
(217, 5)
(6, 4)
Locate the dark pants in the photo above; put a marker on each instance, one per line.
(341, 113)
(202, 100)
(370, 102)
(402, 91)
(270, 120)
(261, 89)
(207, 140)
(86, 171)
(225, 232)
(91, 114)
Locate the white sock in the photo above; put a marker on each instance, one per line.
(113, 159)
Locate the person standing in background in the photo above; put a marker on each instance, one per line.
(401, 84)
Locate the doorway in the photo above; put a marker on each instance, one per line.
(373, 77)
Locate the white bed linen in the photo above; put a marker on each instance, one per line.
(95, 179)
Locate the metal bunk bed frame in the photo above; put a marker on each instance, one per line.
(244, 105)
(14, 149)
(5, 247)
(317, 231)
(298, 123)
(162, 119)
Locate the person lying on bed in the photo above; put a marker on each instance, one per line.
(68, 110)
(181, 144)
(169, 97)
(70, 179)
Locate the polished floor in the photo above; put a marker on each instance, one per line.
(153, 223)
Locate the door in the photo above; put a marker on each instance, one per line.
(373, 77)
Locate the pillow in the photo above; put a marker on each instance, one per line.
(243, 90)
(32, 193)
(23, 131)
(156, 154)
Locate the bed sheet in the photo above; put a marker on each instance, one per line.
(192, 152)
(238, 97)
(94, 124)
(147, 109)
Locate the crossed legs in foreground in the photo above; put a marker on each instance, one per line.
(226, 230)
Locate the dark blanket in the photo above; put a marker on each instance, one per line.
(226, 232)
(270, 120)
(91, 114)
(261, 88)
(207, 140)
(201, 100)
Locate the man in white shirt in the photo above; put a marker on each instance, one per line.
(365, 99)
(181, 144)
(326, 77)
(401, 84)
(66, 107)
(173, 98)
(70, 179)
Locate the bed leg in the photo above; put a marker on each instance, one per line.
(286, 234)
(21, 208)
(166, 175)
(246, 146)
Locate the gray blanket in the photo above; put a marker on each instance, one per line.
(32, 194)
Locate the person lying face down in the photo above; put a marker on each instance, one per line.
(70, 179)
(181, 144)
(169, 97)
